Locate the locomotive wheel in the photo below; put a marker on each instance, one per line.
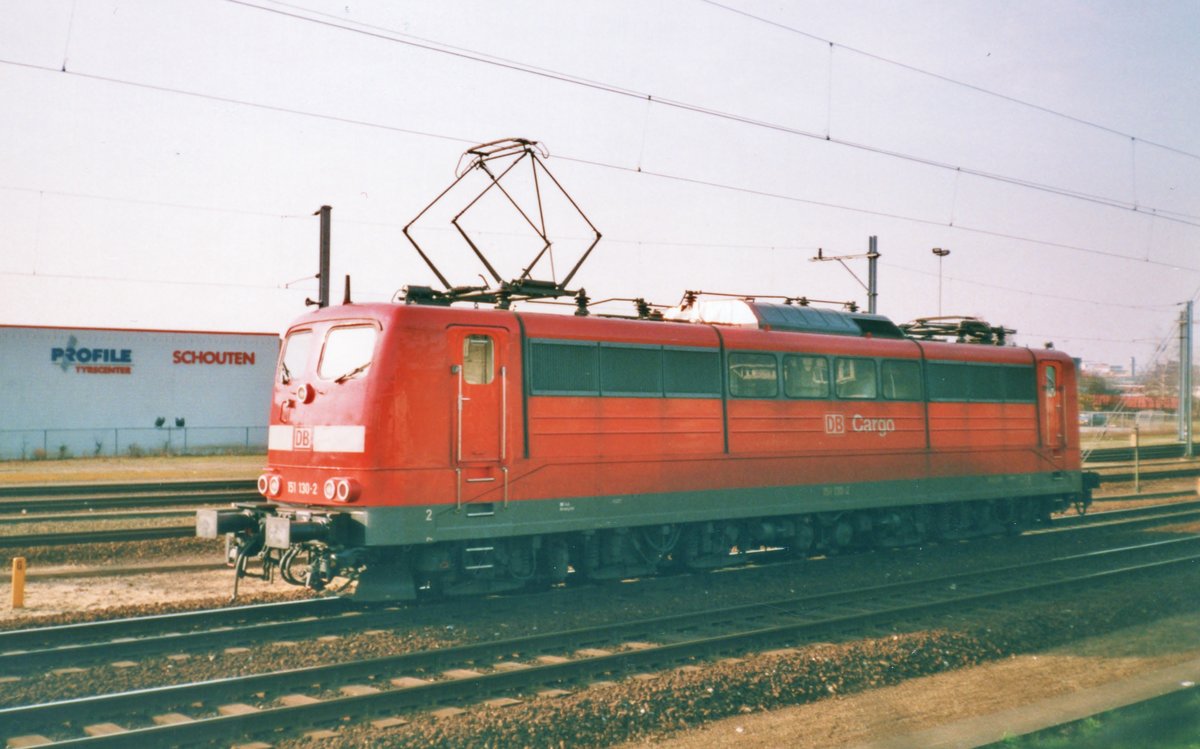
(556, 561)
(806, 536)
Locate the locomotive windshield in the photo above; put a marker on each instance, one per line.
(295, 354)
(348, 352)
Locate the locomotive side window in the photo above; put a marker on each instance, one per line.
(694, 373)
(753, 376)
(478, 360)
(1020, 385)
(855, 378)
(564, 368)
(806, 376)
(900, 380)
(987, 383)
(947, 382)
(976, 383)
(295, 355)
(622, 370)
(348, 352)
(631, 370)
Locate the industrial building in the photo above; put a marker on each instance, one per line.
(71, 392)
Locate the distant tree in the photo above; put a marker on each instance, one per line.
(1161, 380)
(1097, 393)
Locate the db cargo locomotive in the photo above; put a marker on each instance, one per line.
(418, 447)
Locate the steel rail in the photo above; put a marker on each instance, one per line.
(118, 535)
(691, 637)
(305, 619)
(1125, 454)
(1133, 517)
(136, 626)
(73, 502)
(141, 487)
(16, 520)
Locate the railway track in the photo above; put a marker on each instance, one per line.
(1125, 454)
(1179, 512)
(60, 498)
(295, 700)
(77, 538)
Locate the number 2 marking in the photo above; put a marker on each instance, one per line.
(429, 516)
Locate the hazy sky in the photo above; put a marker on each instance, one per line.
(161, 161)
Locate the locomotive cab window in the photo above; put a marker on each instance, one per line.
(753, 376)
(856, 378)
(295, 355)
(478, 360)
(348, 352)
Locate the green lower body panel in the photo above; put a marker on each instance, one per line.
(405, 526)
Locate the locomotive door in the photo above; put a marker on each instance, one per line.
(1050, 392)
(481, 388)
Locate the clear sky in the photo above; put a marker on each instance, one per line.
(161, 160)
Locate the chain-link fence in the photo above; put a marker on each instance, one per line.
(56, 444)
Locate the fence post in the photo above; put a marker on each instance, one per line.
(18, 582)
(1137, 474)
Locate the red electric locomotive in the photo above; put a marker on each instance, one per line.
(419, 445)
(462, 450)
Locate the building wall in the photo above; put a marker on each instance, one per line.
(84, 391)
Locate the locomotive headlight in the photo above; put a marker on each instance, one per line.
(330, 489)
(262, 484)
(305, 393)
(273, 485)
(347, 490)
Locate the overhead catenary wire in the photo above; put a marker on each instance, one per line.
(954, 81)
(607, 165)
(381, 33)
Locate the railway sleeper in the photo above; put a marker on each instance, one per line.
(304, 550)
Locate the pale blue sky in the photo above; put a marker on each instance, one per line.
(128, 203)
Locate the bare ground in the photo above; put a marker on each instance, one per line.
(886, 713)
(167, 468)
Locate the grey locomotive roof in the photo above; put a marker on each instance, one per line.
(802, 319)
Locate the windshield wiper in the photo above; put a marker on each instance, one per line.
(352, 372)
(285, 375)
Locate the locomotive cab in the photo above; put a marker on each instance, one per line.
(316, 461)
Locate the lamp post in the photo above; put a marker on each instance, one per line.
(941, 253)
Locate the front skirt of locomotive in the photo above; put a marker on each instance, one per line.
(316, 548)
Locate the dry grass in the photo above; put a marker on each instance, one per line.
(80, 470)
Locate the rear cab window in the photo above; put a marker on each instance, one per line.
(348, 352)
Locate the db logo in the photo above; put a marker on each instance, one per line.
(302, 438)
(835, 424)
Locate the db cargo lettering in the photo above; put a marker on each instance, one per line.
(233, 358)
(882, 427)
